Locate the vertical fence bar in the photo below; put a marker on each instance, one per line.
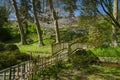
(27, 70)
(21, 72)
(42, 63)
(4, 75)
(38, 61)
(52, 48)
(18, 72)
(10, 71)
(24, 71)
(69, 48)
(13, 74)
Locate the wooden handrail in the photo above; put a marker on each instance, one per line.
(58, 47)
(17, 72)
(25, 70)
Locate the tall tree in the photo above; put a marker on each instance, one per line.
(110, 7)
(70, 6)
(22, 35)
(107, 7)
(38, 27)
(3, 15)
(88, 7)
(25, 8)
(115, 14)
(55, 18)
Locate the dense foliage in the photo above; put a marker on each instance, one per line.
(3, 15)
(82, 58)
(82, 21)
(10, 55)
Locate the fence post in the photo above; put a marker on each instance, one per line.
(21, 71)
(38, 61)
(52, 48)
(24, 73)
(14, 76)
(4, 75)
(69, 48)
(42, 62)
(18, 72)
(51, 60)
(10, 71)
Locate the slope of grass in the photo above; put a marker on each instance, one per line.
(45, 50)
(93, 72)
(107, 52)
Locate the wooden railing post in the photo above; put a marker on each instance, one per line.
(26, 71)
(32, 69)
(38, 61)
(42, 62)
(10, 71)
(18, 76)
(4, 75)
(69, 48)
(23, 71)
(52, 48)
(13, 74)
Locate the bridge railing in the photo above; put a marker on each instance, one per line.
(70, 47)
(58, 47)
(43, 62)
(21, 71)
(25, 70)
(74, 46)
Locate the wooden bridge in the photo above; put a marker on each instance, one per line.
(26, 70)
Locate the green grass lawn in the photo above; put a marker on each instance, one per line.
(43, 50)
(104, 73)
(107, 52)
(93, 72)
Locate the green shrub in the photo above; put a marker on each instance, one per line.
(106, 52)
(7, 59)
(8, 47)
(4, 14)
(10, 58)
(82, 58)
(10, 55)
(29, 41)
(48, 41)
(2, 45)
(23, 56)
(11, 47)
(4, 34)
(31, 28)
(51, 71)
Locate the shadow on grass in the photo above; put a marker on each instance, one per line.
(103, 73)
(94, 72)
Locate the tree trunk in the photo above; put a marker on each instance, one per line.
(115, 14)
(55, 22)
(22, 35)
(40, 41)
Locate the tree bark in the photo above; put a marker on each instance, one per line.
(115, 14)
(38, 27)
(22, 35)
(55, 22)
